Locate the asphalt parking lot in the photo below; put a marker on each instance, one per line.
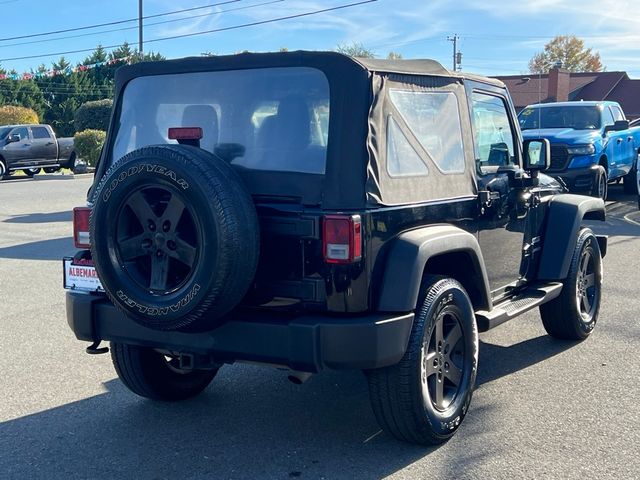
(542, 409)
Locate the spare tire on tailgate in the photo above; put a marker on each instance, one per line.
(174, 237)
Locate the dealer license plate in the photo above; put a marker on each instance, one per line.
(80, 275)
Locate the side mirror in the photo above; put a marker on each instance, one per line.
(14, 137)
(537, 154)
(618, 126)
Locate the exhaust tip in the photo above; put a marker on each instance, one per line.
(298, 378)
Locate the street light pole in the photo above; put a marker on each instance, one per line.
(140, 40)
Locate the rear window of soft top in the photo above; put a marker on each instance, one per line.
(279, 115)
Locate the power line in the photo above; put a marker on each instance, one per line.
(262, 22)
(163, 22)
(117, 22)
(205, 32)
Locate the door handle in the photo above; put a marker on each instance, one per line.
(51, 143)
(619, 140)
(629, 138)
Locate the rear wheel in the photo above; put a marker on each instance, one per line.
(151, 374)
(573, 315)
(30, 172)
(3, 169)
(51, 169)
(424, 398)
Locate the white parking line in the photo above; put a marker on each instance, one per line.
(628, 220)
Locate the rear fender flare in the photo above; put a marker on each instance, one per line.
(564, 220)
(410, 253)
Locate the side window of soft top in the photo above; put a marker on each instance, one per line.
(494, 144)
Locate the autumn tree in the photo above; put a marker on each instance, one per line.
(570, 52)
(355, 50)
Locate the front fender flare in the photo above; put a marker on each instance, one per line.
(409, 255)
(564, 219)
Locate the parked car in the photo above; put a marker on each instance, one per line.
(313, 211)
(33, 147)
(592, 143)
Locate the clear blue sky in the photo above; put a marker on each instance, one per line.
(498, 37)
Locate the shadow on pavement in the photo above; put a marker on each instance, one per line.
(496, 361)
(250, 423)
(255, 426)
(40, 218)
(53, 249)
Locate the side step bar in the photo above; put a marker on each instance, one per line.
(532, 297)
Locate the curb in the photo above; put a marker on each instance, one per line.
(45, 176)
(71, 176)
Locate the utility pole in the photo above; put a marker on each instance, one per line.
(140, 40)
(457, 56)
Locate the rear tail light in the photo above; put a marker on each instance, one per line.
(342, 238)
(81, 227)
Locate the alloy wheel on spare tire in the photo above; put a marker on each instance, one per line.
(175, 237)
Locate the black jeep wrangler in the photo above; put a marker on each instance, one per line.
(312, 211)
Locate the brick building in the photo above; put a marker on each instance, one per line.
(560, 85)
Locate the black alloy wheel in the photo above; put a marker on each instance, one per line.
(586, 289)
(157, 238)
(573, 314)
(443, 360)
(425, 397)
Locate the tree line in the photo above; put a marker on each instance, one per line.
(55, 98)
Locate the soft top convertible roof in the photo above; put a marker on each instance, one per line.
(355, 156)
(330, 60)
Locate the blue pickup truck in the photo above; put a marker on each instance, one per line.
(592, 143)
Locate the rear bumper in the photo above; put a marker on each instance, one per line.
(307, 343)
(582, 180)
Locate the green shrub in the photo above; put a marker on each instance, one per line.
(93, 115)
(12, 115)
(88, 145)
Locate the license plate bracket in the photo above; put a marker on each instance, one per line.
(80, 275)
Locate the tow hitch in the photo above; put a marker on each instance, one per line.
(95, 349)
